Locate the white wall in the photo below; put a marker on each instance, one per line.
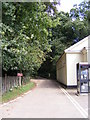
(61, 70)
(66, 66)
(88, 56)
(88, 50)
(71, 61)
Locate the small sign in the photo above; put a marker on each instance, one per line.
(19, 74)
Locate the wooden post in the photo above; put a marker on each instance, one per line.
(5, 82)
(19, 80)
(19, 76)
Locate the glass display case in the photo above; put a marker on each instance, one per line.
(83, 78)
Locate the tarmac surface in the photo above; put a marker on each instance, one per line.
(47, 100)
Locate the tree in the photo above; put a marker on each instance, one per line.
(34, 35)
(80, 11)
(71, 28)
(25, 30)
(80, 15)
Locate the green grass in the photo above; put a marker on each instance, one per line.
(10, 95)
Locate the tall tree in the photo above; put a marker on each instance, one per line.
(25, 30)
(72, 27)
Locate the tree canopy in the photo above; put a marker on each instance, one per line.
(35, 34)
(72, 27)
(25, 31)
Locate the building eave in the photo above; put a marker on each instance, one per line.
(60, 57)
(75, 45)
(73, 52)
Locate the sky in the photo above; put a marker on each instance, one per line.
(66, 5)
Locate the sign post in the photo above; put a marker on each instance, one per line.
(19, 75)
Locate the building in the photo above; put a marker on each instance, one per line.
(66, 64)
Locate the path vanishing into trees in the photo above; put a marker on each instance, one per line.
(47, 100)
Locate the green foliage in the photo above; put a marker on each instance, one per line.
(71, 26)
(80, 16)
(12, 94)
(34, 35)
(80, 11)
(25, 31)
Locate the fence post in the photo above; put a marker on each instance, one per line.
(19, 80)
(5, 82)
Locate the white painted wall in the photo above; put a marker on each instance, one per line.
(72, 60)
(88, 56)
(88, 49)
(61, 70)
(66, 66)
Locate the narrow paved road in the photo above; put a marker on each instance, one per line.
(47, 100)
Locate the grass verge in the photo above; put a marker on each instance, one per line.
(10, 95)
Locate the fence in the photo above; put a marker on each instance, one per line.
(9, 82)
